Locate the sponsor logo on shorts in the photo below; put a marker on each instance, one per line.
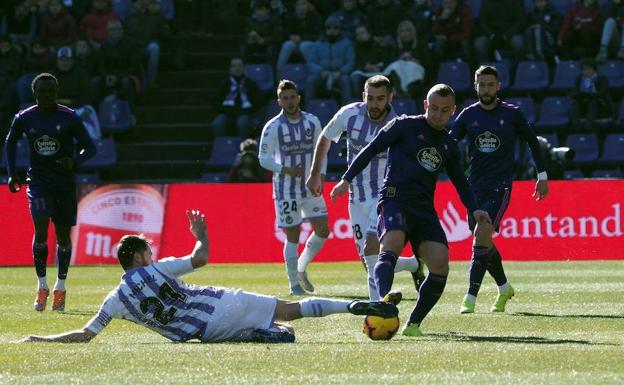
(289, 220)
(487, 142)
(391, 192)
(316, 209)
(429, 158)
(46, 145)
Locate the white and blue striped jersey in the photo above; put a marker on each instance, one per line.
(353, 118)
(153, 297)
(289, 144)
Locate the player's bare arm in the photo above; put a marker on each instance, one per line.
(74, 336)
(15, 183)
(339, 190)
(197, 227)
(541, 189)
(315, 182)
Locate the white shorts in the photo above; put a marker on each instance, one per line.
(363, 221)
(291, 212)
(238, 310)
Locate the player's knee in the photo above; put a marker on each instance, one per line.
(322, 231)
(483, 234)
(292, 234)
(371, 247)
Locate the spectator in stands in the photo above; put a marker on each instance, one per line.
(10, 68)
(237, 99)
(94, 24)
(330, 63)
(350, 18)
(382, 16)
(246, 167)
(541, 35)
(86, 56)
(580, 31)
(452, 26)
(612, 30)
(38, 59)
(500, 27)
(58, 26)
(303, 28)
(407, 73)
(590, 98)
(119, 65)
(370, 58)
(263, 33)
(421, 14)
(22, 26)
(148, 29)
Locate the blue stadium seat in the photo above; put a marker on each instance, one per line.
(213, 177)
(262, 74)
(122, 8)
(106, 156)
(114, 114)
(271, 109)
(22, 155)
(88, 179)
(526, 105)
(562, 5)
(297, 72)
(619, 120)
(405, 106)
(585, 147)
(504, 72)
(573, 174)
(167, 8)
(324, 109)
(613, 151)
(551, 138)
(456, 75)
(565, 76)
(475, 7)
(531, 76)
(224, 151)
(607, 174)
(553, 114)
(614, 71)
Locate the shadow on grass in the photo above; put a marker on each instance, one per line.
(79, 312)
(598, 316)
(459, 337)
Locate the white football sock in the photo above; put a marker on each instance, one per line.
(406, 264)
(42, 283)
(370, 261)
(320, 307)
(60, 284)
(470, 298)
(290, 257)
(503, 288)
(312, 247)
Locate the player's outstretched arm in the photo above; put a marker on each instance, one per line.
(339, 190)
(315, 182)
(75, 336)
(197, 223)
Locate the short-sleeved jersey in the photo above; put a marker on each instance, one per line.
(291, 145)
(153, 297)
(360, 130)
(50, 137)
(417, 153)
(492, 136)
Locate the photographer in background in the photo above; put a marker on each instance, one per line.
(556, 159)
(246, 167)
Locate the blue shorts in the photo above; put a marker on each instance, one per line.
(59, 205)
(418, 225)
(495, 202)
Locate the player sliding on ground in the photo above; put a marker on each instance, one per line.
(150, 294)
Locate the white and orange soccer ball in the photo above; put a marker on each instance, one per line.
(377, 328)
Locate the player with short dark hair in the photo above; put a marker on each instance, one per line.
(492, 129)
(50, 129)
(151, 294)
(419, 148)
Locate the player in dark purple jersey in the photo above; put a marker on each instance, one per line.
(419, 148)
(492, 128)
(50, 129)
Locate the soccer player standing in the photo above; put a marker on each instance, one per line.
(419, 148)
(286, 148)
(492, 128)
(50, 129)
(362, 121)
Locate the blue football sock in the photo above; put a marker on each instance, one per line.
(430, 292)
(384, 272)
(495, 268)
(477, 269)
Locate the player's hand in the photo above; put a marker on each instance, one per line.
(66, 163)
(541, 190)
(339, 190)
(481, 216)
(292, 171)
(197, 222)
(29, 339)
(315, 184)
(15, 183)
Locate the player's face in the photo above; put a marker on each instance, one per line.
(289, 100)
(145, 258)
(487, 87)
(377, 100)
(438, 110)
(45, 93)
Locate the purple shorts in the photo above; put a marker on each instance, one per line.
(59, 205)
(495, 202)
(419, 225)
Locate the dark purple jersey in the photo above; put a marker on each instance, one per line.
(50, 137)
(492, 136)
(417, 154)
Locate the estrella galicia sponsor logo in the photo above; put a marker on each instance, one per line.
(46, 145)
(429, 158)
(487, 142)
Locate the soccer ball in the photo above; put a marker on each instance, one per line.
(377, 328)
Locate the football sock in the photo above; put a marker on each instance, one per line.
(371, 260)
(63, 255)
(477, 269)
(290, 257)
(495, 268)
(312, 247)
(384, 272)
(430, 292)
(406, 264)
(40, 254)
(504, 288)
(470, 298)
(320, 307)
(42, 283)
(60, 284)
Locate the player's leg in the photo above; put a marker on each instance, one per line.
(39, 211)
(481, 256)
(63, 256)
(315, 211)
(363, 217)
(321, 307)
(391, 228)
(288, 219)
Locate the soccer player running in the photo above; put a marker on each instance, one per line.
(492, 128)
(286, 148)
(151, 294)
(362, 121)
(50, 130)
(419, 148)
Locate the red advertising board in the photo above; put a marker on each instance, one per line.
(579, 220)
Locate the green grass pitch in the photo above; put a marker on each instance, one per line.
(564, 326)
